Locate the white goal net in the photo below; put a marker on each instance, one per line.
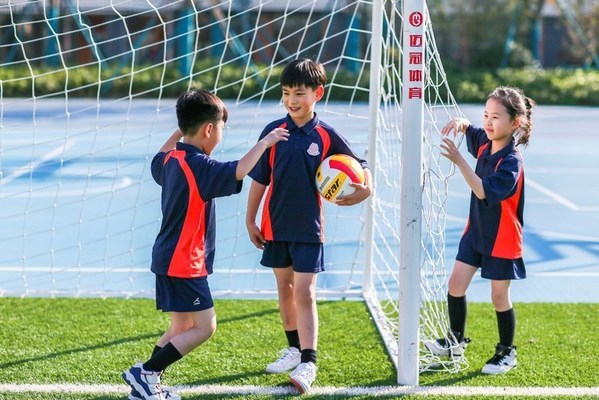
(87, 95)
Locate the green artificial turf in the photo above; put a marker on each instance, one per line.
(91, 341)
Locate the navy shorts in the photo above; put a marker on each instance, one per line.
(182, 294)
(498, 269)
(304, 257)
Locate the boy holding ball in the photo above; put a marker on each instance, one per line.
(291, 232)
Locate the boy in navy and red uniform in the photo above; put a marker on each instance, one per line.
(291, 233)
(183, 253)
(492, 240)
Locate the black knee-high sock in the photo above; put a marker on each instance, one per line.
(293, 339)
(163, 358)
(457, 310)
(309, 355)
(155, 350)
(506, 323)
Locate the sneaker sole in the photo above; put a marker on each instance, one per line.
(130, 379)
(497, 372)
(299, 386)
(170, 396)
(280, 371)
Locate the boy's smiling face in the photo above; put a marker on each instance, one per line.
(300, 101)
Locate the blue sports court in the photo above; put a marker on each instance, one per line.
(83, 214)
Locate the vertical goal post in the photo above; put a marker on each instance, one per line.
(413, 61)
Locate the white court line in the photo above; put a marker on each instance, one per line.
(556, 197)
(548, 234)
(583, 274)
(553, 196)
(568, 236)
(123, 183)
(34, 164)
(562, 170)
(127, 270)
(492, 391)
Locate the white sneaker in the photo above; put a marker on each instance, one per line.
(290, 358)
(167, 393)
(145, 383)
(503, 360)
(303, 376)
(447, 347)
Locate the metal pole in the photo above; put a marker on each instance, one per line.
(373, 107)
(413, 72)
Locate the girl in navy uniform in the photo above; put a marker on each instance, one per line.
(492, 240)
(183, 253)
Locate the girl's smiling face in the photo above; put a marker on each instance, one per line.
(497, 123)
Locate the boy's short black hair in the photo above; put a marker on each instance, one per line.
(198, 106)
(303, 71)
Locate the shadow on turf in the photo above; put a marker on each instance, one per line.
(225, 378)
(274, 310)
(80, 349)
(455, 378)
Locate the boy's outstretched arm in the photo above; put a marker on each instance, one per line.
(247, 162)
(363, 190)
(171, 142)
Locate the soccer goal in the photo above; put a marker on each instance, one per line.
(87, 95)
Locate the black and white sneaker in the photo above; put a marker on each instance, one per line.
(503, 360)
(447, 347)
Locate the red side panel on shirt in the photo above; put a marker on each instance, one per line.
(509, 235)
(266, 221)
(326, 145)
(188, 259)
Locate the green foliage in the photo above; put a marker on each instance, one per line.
(557, 86)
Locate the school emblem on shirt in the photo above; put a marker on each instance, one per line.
(313, 149)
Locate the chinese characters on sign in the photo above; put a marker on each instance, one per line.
(415, 53)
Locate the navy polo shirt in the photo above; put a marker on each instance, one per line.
(292, 209)
(495, 223)
(190, 181)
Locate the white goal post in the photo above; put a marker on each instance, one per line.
(87, 95)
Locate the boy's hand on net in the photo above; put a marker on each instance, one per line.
(276, 135)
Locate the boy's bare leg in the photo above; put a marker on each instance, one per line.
(287, 305)
(307, 315)
(192, 329)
